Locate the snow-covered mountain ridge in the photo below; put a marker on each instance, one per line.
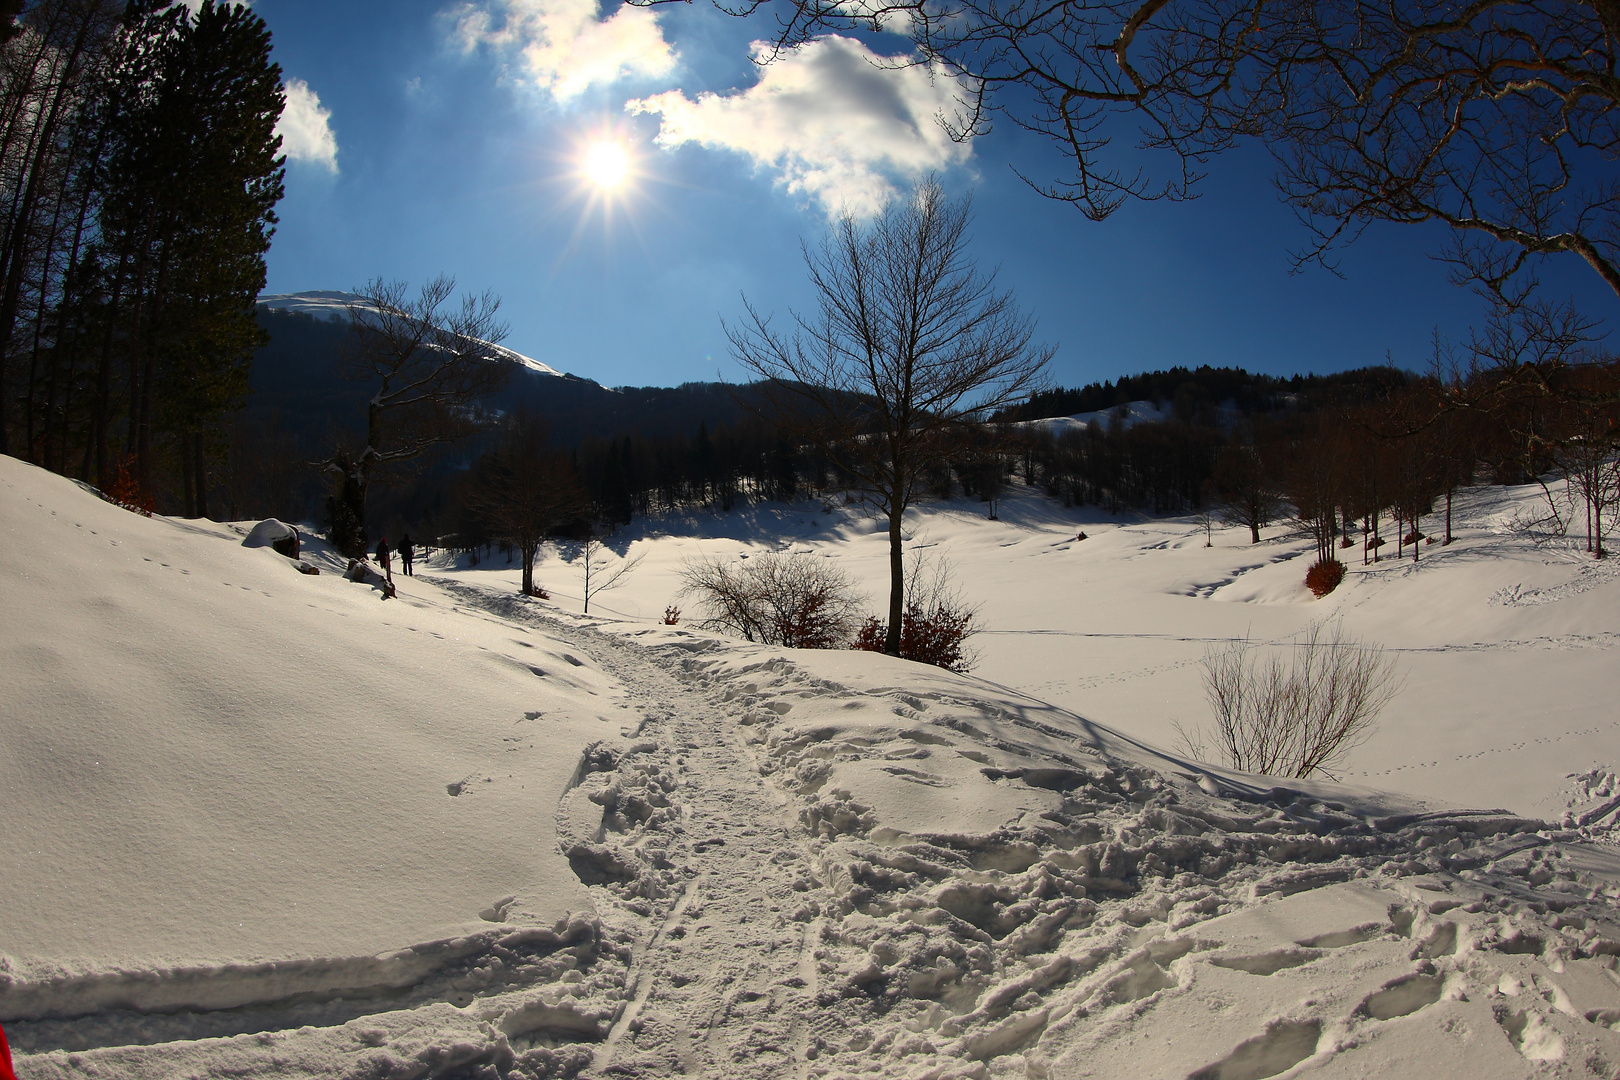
(264, 823)
(334, 305)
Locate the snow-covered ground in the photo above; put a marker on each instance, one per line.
(1508, 649)
(264, 823)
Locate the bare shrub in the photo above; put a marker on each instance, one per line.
(1295, 713)
(1324, 576)
(935, 625)
(128, 492)
(799, 600)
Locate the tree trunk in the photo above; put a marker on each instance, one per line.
(101, 407)
(897, 582)
(202, 476)
(13, 269)
(186, 485)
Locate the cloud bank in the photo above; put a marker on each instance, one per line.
(305, 127)
(562, 47)
(833, 119)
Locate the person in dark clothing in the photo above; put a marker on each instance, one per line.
(405, 553)
(384, 560)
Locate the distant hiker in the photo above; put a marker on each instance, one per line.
(405, 553)
(384, 560)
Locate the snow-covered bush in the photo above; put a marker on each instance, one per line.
(799, 600)
(1296, 712)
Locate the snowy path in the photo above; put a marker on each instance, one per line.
(707, 870)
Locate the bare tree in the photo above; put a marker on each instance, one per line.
(524, 489)
(430, 361)
(1586, 439)
(908, 342)
(1299, 715)
(601, 573)
(1206, 521)
(1245, 491)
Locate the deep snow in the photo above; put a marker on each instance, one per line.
(265, 823)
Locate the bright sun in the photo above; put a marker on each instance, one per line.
(606, 164)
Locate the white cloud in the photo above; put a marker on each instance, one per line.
(305, 127)
(833, 119)
(563, 47)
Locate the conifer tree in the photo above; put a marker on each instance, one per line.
(192, 182)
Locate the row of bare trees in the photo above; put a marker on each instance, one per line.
(1403, 458)
(1391, 449)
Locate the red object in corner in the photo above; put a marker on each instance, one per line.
(5, 1058)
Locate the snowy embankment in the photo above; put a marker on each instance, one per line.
(262, 823)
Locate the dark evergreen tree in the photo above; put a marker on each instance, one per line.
(192, 182)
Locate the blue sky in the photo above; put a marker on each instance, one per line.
(430, 136)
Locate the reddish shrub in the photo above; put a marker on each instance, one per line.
(672, 615)
(1324, 576)
(872, 634)
(127, 491)
(538, 591)
(935, 636)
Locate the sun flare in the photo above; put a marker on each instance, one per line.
(606, 164)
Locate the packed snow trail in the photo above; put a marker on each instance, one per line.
(710, 871)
